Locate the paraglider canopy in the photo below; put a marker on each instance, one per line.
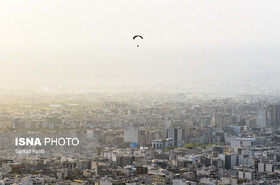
(137, 36)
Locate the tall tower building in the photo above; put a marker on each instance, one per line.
(273, 115)
(261, 117)
(177, 135)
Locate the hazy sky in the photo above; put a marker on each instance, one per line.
(88, 23)
(90, 42)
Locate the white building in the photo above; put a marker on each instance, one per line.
(261, 118)
(131, 135)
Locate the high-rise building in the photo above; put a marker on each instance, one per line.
(177, 134)
(273, 115)
(131, 135)
(261, 118)
(229, 160)
(140, 136)
(222, 119)
(172, 133)
(167, 123)
(143, 137)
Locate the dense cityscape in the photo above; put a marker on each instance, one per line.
(139, 92)
(140, 138)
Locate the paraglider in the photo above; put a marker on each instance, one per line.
(137, 37)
